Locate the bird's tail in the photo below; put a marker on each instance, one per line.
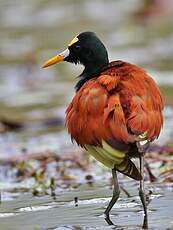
(128, 168)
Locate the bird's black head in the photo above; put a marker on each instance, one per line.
(85, 49)
(88, 50)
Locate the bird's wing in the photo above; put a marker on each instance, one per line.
(114, 119)
(135, 104)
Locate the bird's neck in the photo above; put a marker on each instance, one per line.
(90, 71)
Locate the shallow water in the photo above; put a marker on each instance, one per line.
(26, 212)
(31, 32)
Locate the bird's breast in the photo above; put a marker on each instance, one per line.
(84, 116)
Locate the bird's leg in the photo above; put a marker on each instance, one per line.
(125, 191)
(115, 196)
(152, 178)
(142, 192)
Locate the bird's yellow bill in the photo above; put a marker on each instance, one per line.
(53, 61)
(58, 58)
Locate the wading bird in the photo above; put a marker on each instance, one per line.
(115, 113)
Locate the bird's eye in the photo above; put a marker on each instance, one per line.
(77, 47)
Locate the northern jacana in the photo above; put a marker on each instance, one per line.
(115, 113)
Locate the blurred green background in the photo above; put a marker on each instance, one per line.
(31, 31)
